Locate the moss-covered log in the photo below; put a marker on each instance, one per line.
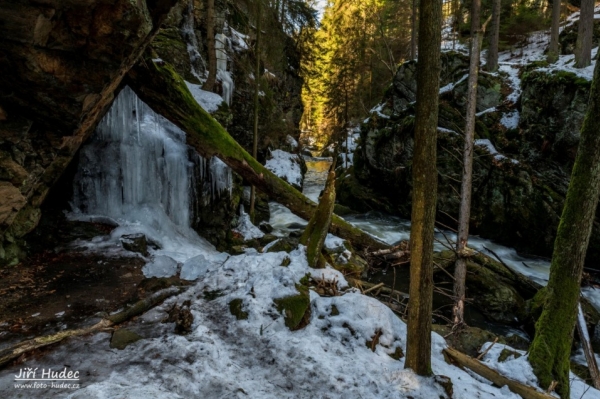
(315, 233)
(551, 346)
(159, 86)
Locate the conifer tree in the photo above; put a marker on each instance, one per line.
(418, 346)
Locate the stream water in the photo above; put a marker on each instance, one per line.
(392, 229)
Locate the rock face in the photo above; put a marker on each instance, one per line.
(522, 163)
(60, 63)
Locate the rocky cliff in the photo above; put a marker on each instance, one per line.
(527, 138)
(60, 63)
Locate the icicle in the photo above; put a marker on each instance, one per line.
(198, 65)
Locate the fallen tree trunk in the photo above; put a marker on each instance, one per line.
(13, 352)
(161, 88)
(526, 392)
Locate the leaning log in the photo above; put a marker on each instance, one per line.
(13, 352)
(163, 90)
(526, 392)
(315, 233)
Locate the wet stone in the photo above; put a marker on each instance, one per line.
(135, 243)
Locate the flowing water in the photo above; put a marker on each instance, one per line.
(392, 229)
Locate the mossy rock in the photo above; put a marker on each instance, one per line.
(295, 308)
(236, 308)
(494, 296)
(506, 353)
(397, 354)
(211, 295)
(286, 261)
(170, 46)
(267, 239)
(123, 337)
(286, 244)
(468, 340)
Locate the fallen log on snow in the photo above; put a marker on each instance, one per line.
(13, 352)
(526, 392)
(163, 90)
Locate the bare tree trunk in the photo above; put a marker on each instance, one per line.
(418, 352)
(460, 272)
(492, 55)
(256, 90)
(551, 346)
(413, 29)
(553, 50)
(212, 51)
(316, 231)
(583, 47)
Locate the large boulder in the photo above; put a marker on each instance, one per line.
(521, 169)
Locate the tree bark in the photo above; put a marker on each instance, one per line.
(212, 51)
(551, 346)
(464, 215)
(413, 29)
(583, 46)
(492, 55)
(553, 50)
(256, 90)
(418, 353)
(315, 233)
(161, 88)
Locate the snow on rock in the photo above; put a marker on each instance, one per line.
(492, 150)
(209, 101)
(333, 242)
(160, 266)
(291, 142)
(246, 228)
(197, 267)
(286, 166)
(239, 41)
(377, 109)
(450, 86)
(510, 120)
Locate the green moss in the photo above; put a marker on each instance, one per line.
(295, 308)
(286, 261)
(236, 308)
(397, 354)
(506, 353)
(122, 337)
(212, 295)
(334, 311)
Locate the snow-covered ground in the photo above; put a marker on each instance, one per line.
(259, 357)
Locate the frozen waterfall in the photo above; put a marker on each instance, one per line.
(137, 169)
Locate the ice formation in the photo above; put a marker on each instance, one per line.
(187, 30)
(138, 169)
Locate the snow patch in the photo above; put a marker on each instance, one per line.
(208, 100)
(286, 166)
